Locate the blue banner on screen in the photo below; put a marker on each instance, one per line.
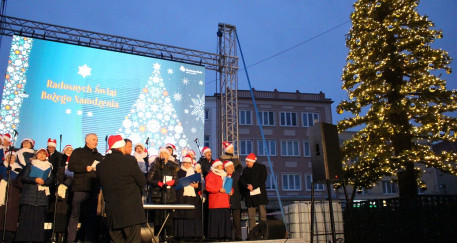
(53, 88)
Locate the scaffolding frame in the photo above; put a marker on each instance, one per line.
(225, 63)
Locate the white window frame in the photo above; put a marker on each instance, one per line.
(389, 187)
(294, 177)
(243, 115)
(309, 182)
(269, 183)
(262, 120)
(206, 114)
(306, 153)
(206, 143)
(269, 145)
(315, 118)
(287, 148)
(245, 143)
(286, 123)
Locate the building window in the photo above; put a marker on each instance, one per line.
(270, 185)
(309, 183)
(245, 117)
(309, 119)
(206, 114)
(291, 182)
(389, 187)
(289, 148)
(288, 119)
(306, 150)
(271, 145)
(267, 118)
(206, 142)
(245, 147)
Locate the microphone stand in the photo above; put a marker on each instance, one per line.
(56, 194)
(203, 209)
(8, 171)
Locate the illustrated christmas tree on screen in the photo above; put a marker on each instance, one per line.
(153, 116)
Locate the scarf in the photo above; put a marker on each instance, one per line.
(140, 157)
(188, 190)
(220, 173)
(20, 155)
(42, 165)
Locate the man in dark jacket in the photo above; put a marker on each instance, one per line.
(252, 181)
(122, 182)
(206, 160)
(235, 197)
(85, 188)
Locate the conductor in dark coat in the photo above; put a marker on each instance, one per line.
(252, 182)
(122, 182)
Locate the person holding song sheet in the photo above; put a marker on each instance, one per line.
(162, 178)
(235, 199)
(9, 170)
(253, 182)
(36, 179)
(219, 227)
(188, 222)
(85, 189)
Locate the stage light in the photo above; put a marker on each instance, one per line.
(200, 63)
(171, 57)
(219, 33)
(161, 55)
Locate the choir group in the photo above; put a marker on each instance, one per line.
(93, 198)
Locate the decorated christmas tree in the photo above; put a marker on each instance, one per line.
(153, 116)
(397, 96)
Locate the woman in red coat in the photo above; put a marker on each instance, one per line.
(219, 226)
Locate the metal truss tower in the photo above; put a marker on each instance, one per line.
(228, 80)
(225, 63)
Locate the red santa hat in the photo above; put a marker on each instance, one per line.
(227, 146)
(30, 140)
(52, 142)
(205, 149)
(191, 153)
(164, 149)
(67, 146)
(227, 163)
(7, 137)
(43, 149)
(169, 145)
(216, 163)
(115, 141)
(187, 159)
(251, 157)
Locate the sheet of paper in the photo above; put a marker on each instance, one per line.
(255, 192)
(94, 164)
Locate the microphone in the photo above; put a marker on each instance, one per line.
(60, 137)
(147, 141)
(106, 138)
(196, 140)
(15, 132)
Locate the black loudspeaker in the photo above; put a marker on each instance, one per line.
(325, 152)
(269, 230)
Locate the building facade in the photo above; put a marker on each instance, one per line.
(285, 118)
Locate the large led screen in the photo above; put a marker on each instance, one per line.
(53, 89)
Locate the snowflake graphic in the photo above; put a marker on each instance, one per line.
(177, 96)
(90, 114)
(200, 82)
(84, 70)
(68, 111)
(185, 81)
(170, 71)
(156, 66)
(80, 112)
(198, 108)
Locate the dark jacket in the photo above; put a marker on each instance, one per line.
(14, 196)
(156, 173)
(256, 176)
(84, 181)
(206, 165)
(235, 199)
(122, 183)
(181, 199)
(30, 194)
(54, 160)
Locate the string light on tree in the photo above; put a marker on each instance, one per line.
(396, 92)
